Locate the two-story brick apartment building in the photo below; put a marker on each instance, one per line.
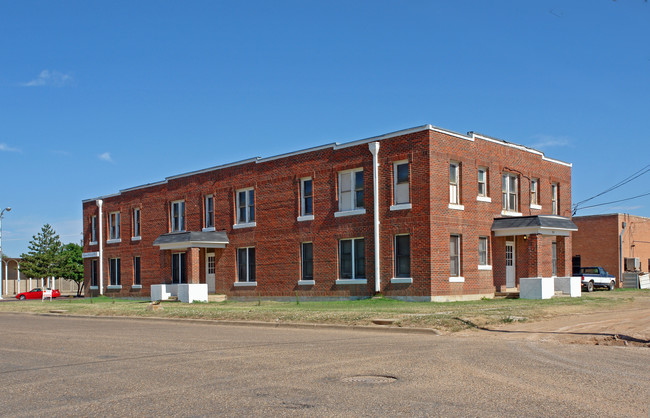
(436, 215)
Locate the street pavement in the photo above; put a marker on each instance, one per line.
(62, 366)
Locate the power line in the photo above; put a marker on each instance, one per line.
(614, 201)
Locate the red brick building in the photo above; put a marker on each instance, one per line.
(597, 242)
(428, 211)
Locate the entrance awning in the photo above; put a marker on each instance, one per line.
(191, 239)
(540, 224)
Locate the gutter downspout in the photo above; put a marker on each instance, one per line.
(374, 150)
(620, 254)
(100, 221)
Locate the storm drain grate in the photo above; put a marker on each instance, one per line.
(369, 379)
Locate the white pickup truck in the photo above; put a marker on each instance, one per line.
(596, 277)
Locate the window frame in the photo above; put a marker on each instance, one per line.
(507, 193)
(304, 198)
(248, 207)
(555, 199)
(136, 224)
(554, 258)
(250, 267)
(397, 184)
(306, 263)
(487, 264)
(180, 272)
(94, 273)
(357, 206)
(208, 212)
(93, 230)
(484, 182)
(455, 259)
(177, 212)
(534, 193)
(396, 257)
(114, 221)
(356, 275)
(115, 273)
(137, 270)
(454, 184)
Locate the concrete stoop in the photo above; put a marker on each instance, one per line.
(216, 298)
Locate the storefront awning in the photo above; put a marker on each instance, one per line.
(191, 239)
(540, 224)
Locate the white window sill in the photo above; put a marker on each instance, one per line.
(351, 281)
(457, 279)
(536, 207)
(114, 287)
(306, 282)
(136, 286)
(456, 207)
(208, 229)
(484, 267)
(399, 280)
(244, 225)
(138, 238)
(305, 218)
(510, 213)
(349, 213)
(94, 287)
(401, 206)
(245, 284)
(114, 241)
(484, 199)
(93, 243)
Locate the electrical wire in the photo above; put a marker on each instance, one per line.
(614, 201)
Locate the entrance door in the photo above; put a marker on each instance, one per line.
(510, 264)
(209, 272)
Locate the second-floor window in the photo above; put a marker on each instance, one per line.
(136, 222)
(178, 216)
(245, 206)
(307, 198)
(402, 180)
(93, 229)
(114, 225)
(482, 182)
(351, 190)
(454, 183)
(534, 185)
(209, 211)
(554, 199)
(509, 192)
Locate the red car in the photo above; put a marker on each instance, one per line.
(36, 294)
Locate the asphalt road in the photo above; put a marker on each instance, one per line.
(58, 366)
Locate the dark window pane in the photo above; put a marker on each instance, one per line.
(403, 173)
(358, 180)
(402, 256)
(359, 259)
(345, 259)
(307, 261)
(307, 187)
(359, 198)
(251, 265)
(308, 208)
(242, 262)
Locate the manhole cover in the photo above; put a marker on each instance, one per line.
(369, 379)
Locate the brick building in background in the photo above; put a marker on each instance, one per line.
(436, 215)
(597, 241)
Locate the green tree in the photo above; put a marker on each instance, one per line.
(43, 259)
(71, 265)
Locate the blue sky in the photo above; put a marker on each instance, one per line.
(100, 96)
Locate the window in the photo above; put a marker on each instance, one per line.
(554, 200)
(94, 273)
(178, 216)
(454, 183)
(307, 261)
(402, 256)
(454, 256)
(114, 225)
(534, 198)
(178, 268)
(351, 190)
(245, 206)
(482, 182)
(402, 182)
(554, 257)
(306, 200)
(209, 211)
(136, 271)
(114, 271)
(509, 192)
(483, 251)
(136, 222)
(246, 264)
(93, 229)
(352, 259)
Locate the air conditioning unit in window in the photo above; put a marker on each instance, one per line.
(632, 264)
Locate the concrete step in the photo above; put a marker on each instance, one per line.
(216, 298)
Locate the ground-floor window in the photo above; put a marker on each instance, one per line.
(94, 273)
(554, 250)
(246, 264)
(352, 258)
(114, 271)
(454, 256)
(178, 268)
(307, 261)
(402, 256)
(483, 251)
(136, 270)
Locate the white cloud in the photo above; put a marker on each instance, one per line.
(106, 157)
(547, 141)
(7, 148)
(624, 208)
(49, 78)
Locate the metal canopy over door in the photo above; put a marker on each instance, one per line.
(209, 272)
(510, 264)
